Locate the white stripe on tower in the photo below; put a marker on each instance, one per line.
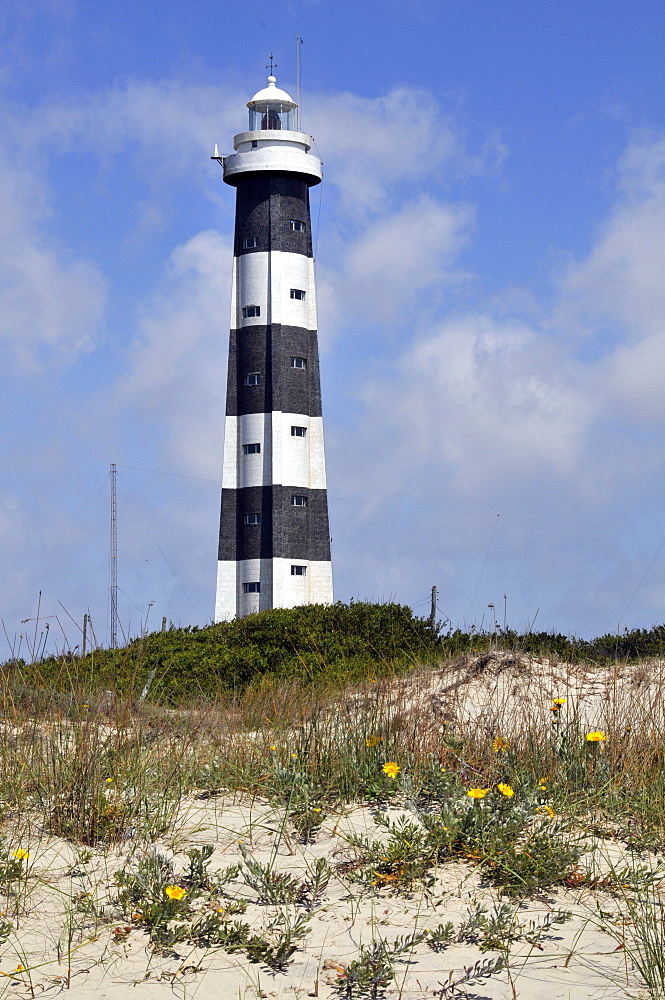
(274, 544)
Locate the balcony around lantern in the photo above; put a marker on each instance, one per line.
(260, 138)
(272, 150)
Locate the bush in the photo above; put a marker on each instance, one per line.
(336, 642)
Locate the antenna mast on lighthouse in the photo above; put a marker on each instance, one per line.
(298, 83)
(114, 558)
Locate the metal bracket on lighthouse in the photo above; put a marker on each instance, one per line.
(216, 156)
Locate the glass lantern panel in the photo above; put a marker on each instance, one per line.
(271, 115)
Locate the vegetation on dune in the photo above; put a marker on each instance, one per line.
(343, 641)
(298, 711)
(319, 644)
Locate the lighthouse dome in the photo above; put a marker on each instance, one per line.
(271, 109)
(272, 93)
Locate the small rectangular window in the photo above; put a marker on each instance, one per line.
(252, 519)
(255, 143)
(297, 226)
(249, 311)
(298, 362)
(298, 432)
(251, 449)
(250, 242)
(298, 293)
(298, 500)
(253, 378)
(298, 571)
(251, 588)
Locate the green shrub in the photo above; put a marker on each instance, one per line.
(312, 642)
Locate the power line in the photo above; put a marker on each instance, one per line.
(174, 573)
(475, 593)
(644, 575)
(175, 475)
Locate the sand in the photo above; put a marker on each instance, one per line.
(576, 960)
(64, 949)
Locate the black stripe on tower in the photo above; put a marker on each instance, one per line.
(268, 352)
(266, 204)
(285, 531)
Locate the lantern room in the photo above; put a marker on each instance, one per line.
(272, 109)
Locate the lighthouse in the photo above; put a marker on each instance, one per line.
(274, 538)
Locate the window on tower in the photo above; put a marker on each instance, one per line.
(254, 378)
(252, 588)
(297, 226)
(251, 449)
(298, 500)
(250, 242)
(298, 293)
(249, 311)
(298, 432)
(252, 519)
(298, 571)
(299, 362)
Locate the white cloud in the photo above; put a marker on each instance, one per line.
(372, 146)
(481, 399)
(618, 290)
(171, 122)
(400, 255)
(50, 297)
(176, 365)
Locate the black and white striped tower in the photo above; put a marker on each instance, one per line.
(274, 541)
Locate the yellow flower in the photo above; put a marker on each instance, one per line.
(175, 891)
(314, 809)
(549, 811)
(391, 769)
(557, 703)
(19, 968)
(372, 741)
(498, 743)
(294, 754)
(21, 855)
(109, 780)
(273, 748)
(505, 790)
(477, 793)
(597, 736)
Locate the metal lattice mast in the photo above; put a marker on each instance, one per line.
(114, 558)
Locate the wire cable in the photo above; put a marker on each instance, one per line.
(475, 593)
(644, 575)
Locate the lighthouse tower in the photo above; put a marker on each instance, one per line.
(274, 540)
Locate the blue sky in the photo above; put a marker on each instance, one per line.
(490, 259)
